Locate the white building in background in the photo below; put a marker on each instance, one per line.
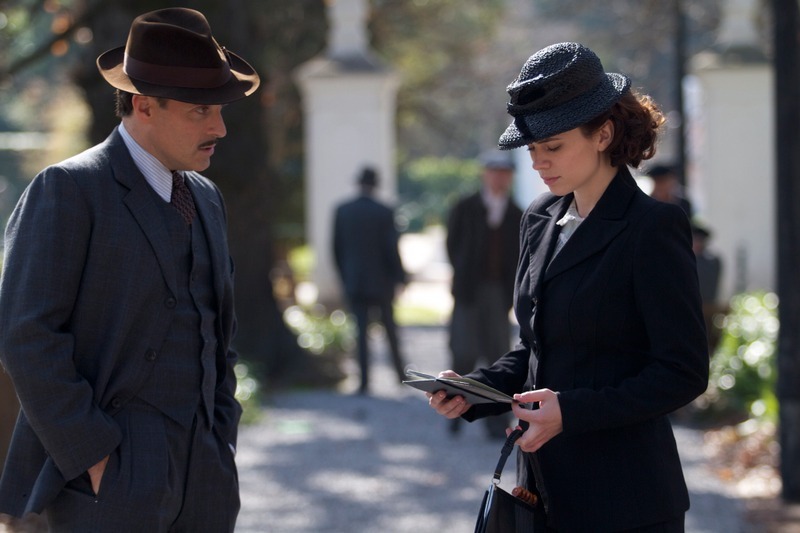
(731, 176)
(349, 112)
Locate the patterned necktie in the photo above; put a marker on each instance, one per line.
(181, 198)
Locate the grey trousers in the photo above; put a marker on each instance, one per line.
(480, 330)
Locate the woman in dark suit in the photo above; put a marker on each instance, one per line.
(611, 327)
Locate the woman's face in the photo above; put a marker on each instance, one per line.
(572, 161)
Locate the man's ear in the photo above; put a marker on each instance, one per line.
(142, 105)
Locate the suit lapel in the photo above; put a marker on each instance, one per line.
(542, 234)
(140, 202)
(602, 225)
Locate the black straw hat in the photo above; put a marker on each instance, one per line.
(559, 88)
(171, 53)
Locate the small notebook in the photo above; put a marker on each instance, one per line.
(473, 391)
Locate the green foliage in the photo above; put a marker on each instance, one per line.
(743, 368)
(439, 49)
(301, 261)
(247, 392)
(429, 186)
(321, 332)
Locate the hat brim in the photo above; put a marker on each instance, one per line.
(243, 81)
(567, 116)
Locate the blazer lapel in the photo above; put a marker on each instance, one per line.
(542, 229)
(139, 201)
(602, 225)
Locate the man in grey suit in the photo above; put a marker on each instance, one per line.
(483, 248)
(365, 247)
(116, 309)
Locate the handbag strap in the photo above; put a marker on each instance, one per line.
(504, 453)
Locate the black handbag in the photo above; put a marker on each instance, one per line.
(500, 511)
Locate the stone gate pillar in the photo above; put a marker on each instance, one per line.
(349, 119)
(732, 151)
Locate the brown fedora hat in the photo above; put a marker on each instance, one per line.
(171, 53)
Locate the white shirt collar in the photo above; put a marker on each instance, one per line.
(495, 207)
(570, 216)
(569, 223)
(157, 175)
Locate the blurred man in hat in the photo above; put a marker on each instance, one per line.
(483, 247)
(116, 311)
(709, 272)
(365, 248)
(667, 188)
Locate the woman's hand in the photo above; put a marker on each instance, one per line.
(545, 422)
(450, 408)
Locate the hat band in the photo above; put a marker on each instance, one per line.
(186, 77)
(539, 99)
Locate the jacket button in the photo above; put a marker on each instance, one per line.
(150, 355)
(171, 303)
(116, 403)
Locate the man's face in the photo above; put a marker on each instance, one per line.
(180, 135)
(498, 180)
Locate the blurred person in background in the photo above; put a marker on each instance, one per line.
(365, 248)
(483, 248)
(709, 272)
(667, 188)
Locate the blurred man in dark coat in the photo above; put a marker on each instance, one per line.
(483, 247)
(667, 188)
(709, 272)
(365, 247)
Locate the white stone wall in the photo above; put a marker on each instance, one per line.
(732, 170)
(349, 123)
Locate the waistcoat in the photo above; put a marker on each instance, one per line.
(184, 378)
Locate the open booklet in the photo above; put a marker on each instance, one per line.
(472, 391)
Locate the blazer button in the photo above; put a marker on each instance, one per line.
(116, 403)
(171, 303)
(150, 355)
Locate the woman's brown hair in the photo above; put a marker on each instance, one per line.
(636, 119)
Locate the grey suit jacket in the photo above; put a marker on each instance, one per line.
(86, 299)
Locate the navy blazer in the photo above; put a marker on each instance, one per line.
(614, 325)
(365, 248)
(86, 300)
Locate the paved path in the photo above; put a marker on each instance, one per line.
(321, 461)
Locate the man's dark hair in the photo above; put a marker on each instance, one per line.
(124, 103)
